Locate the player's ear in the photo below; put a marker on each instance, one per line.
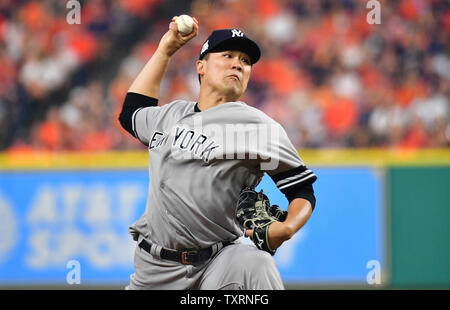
(200, 64)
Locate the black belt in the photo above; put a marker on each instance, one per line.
(186, 257)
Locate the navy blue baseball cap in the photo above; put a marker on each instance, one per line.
(230, 39)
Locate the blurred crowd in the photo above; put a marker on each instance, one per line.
(327, 75)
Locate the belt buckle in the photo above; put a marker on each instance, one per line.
(184, 257)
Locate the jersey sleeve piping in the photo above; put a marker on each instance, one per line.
(293, 177)
(302, 177)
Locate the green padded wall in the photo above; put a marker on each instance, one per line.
(420, 226)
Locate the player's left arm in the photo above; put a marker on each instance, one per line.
(297, 185)
(295, 180)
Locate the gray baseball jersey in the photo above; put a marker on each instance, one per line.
(198, 164)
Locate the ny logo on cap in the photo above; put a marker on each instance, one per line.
(205, 47)
(236, 33)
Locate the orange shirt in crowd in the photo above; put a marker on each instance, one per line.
(49, 135)
(340, 116)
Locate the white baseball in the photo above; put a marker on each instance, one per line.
(185, 24)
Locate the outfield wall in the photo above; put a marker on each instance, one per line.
(381, 220)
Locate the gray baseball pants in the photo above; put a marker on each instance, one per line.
(237, 266)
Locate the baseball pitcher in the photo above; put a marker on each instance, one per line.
(205, 159)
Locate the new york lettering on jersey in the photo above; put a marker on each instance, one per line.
(188, 140)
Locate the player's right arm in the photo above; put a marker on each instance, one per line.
(144, 91)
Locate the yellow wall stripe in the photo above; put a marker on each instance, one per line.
(139, 159)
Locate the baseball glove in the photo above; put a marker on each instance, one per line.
(252, 212)
(277, 213)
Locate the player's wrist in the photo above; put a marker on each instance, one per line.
(164, 53)
(287, 231)
(278, 233)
